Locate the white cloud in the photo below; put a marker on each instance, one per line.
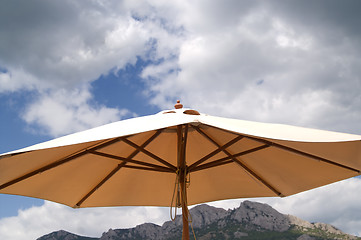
(89, 222)
(287, 37)
(56, 115)
(14, 80)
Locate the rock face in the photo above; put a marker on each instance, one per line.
(201, 216)
(261, 216)
(143, 231)
(64, 235)
(250, 220)
(204, 215)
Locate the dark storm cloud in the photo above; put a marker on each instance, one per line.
(23, 24)
(338, 17)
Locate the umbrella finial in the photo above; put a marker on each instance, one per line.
(178, 105)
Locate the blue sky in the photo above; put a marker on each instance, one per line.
(67, 66)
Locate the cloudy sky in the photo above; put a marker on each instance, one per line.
(68, 65)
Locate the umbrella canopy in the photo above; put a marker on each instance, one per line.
(148, 161)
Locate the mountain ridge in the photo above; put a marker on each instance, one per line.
(251, 220)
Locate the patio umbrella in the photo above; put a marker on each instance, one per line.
(179, 157)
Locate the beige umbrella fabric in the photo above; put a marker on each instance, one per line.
(181, 155)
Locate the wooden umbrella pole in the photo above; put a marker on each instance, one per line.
(185, 233)
(182, 171)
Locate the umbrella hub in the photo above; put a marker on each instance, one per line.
(180, 110)
(178, 105)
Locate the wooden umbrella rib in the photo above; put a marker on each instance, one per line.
(212, 164)
(230, 158)
(258, 177)
(40, 170)
(233, 157)
(59, 162)
(149, 140)
(219, 149)
(128, 160)
(143, 150)
(116, 169)
(148, 169)
(302, 153)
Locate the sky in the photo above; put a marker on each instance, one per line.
(67, 66)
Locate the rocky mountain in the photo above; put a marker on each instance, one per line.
(251, 220)
(64, 235)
